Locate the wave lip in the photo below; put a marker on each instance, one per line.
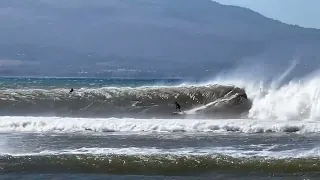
(153, 101)
(72, 125)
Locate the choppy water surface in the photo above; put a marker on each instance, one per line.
(126, 130)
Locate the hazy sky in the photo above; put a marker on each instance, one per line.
(305, 13)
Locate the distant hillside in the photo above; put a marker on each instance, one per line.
(175, 38)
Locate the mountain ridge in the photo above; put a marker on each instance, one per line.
(153, 38)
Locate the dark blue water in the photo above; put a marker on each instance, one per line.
(12, 82)
(220, 176)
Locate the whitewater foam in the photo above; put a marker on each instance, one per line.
(236, 152)
(73, 125)
(297, 99)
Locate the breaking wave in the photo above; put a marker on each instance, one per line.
(296, 99)
(211, 101)
(230, 97)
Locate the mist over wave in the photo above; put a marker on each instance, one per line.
(280, 98)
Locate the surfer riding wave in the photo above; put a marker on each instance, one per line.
(212, 101)
(178, 107)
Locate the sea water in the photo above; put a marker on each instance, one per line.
(125, 129)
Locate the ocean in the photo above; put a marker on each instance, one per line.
(129, 129)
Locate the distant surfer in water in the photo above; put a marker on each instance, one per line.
(178, 106)
(71, 90)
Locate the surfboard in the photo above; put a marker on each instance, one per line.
(177, 113)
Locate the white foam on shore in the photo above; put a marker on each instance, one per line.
(73, 125)
(208, 151)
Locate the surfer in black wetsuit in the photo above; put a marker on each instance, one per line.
(178, 106)
(71, 90)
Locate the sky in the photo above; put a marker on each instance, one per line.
(304, 13)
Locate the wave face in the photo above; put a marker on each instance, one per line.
(153, 165)
(153, 101)
(152, 161)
